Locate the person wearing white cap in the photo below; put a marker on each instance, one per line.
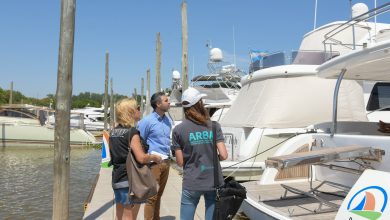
(192, 141)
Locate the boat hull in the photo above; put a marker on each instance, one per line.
(23, 135)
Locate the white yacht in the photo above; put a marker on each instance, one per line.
(92, 117)
(337, 152)
(95, 113)
(279, 102)
(221, 85)
(26, 126)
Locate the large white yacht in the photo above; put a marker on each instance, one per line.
(337, 152)
(284, 98)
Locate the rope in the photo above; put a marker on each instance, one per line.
(296, 134)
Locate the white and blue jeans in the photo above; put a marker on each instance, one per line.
(190, 200)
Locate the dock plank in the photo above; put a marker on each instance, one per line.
(102, 202)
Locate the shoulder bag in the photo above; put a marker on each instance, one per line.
(230, 195)
(142, 184)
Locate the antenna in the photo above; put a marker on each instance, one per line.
(315, 15)
(234, 49)
(353, 26)
(375, 18)
(193, 67)
(208, 44)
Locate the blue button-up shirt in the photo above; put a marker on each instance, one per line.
(155, 130)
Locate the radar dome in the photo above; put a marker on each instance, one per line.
(175, 74)
(359, 9)
(216, 55)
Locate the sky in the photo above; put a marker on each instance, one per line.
(127, 29)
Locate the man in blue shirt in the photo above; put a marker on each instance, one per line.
(155, 129)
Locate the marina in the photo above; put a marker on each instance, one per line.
(306, 130)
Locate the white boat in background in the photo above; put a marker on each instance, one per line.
(94, 113)
(337, 152)
(92, 117)
(88, 118)
(79, 120)
(26, 125)
(221, 85)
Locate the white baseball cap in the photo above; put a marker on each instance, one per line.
(192, 96)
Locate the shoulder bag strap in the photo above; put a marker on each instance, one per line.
(130, 160)
(215, 160)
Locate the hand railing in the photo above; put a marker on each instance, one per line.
(330, 36)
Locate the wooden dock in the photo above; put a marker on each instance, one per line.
(102, 206)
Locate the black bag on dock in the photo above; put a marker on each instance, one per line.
(229, 196)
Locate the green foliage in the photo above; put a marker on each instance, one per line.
(3, 96)
(82, 100)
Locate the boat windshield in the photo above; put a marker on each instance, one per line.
(380, 97)
(221, 75)
(15, 114)
(298, 57)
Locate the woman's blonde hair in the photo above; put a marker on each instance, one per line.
(124, 112)
(197, 113)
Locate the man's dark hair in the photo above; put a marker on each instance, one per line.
(155, 99)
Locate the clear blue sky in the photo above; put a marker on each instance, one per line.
(127, 29)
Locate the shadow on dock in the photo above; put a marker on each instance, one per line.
(96, 214)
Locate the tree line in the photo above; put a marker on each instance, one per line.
(81, 100)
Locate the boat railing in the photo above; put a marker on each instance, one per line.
(331, 40)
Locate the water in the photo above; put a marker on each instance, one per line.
(26, 182)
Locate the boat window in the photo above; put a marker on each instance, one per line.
(75, 117)
(380, 97)
(300, 57)
(270, 60)
(100, 118)
(14, 114)
(275, 59)
(306, 57)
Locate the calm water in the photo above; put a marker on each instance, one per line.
(26, 182)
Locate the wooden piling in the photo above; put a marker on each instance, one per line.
(184, 57)
(11, 89)
(158, 63)
(142, 96)
(61, 161)
(135, 94)
(112, 114)
(147, 92)
(106, 93)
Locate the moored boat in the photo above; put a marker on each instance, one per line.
(338, 152)
(26, 125)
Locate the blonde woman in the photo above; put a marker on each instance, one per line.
(123, 137)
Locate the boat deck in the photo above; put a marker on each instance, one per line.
(293, 206)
